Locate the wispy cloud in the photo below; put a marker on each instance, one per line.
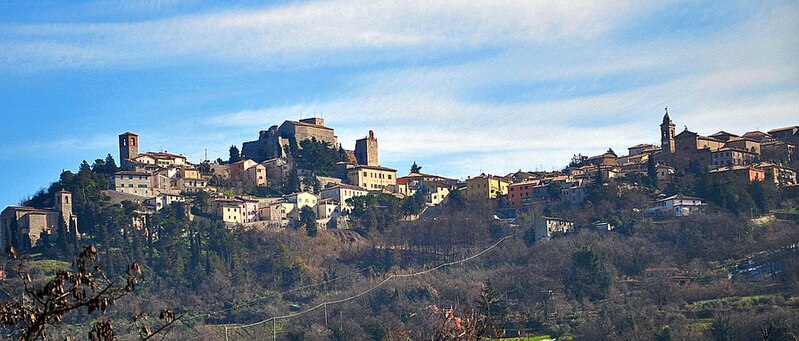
(314, 32)
(731, 80)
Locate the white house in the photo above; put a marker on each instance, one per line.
(676, 205)
(342, 192)
(546, 227)
(302, 199)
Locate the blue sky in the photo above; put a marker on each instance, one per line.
(462, 87)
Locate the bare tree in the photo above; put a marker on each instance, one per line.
(27, 316)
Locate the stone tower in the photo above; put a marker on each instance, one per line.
(63, 204)
(667, 135)
(128, 148)
(366, 150)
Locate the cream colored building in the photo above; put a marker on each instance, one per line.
(229, 210)
(138, 183)
(486, 187)
(326, 209)
(192, 185)
(162, 159)
(372, 177)
(302, 199)
(162, 201)
(249, 211)
(341, 193)
(188, 172)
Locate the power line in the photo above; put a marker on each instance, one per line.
(246, 303)
(386, 280)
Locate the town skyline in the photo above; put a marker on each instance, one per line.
(459, 101)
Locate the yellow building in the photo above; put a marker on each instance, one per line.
(372, 177)
(486, 187)
(230, 210)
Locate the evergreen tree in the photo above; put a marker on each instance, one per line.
(415, 168)
(413, 204)
(587, 279)
(234, 154)
(63, 247)
(110, 164)
(318, 157)
(308, 219)
(651, 171)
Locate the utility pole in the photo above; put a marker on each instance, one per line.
(274, 329)
(226, 339)
(325, 315)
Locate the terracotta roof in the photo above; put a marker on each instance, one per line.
(436, 183)
(531, 182)
(350, 155)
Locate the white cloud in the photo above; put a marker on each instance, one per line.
(314, 32)
(737, 80)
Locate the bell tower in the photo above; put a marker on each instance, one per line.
(667, 134)
(128, 147)
(63, 204)
(366, 150)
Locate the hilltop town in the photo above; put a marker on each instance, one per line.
(271, 180)
(692, 238)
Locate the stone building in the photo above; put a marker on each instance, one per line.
(251, 170)
(366, 150)
(787, 134)
(547, 227)
(128, 149)
(273, 142)
(130, 182)
(717, 150)
(26, 227)
(738, 174)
